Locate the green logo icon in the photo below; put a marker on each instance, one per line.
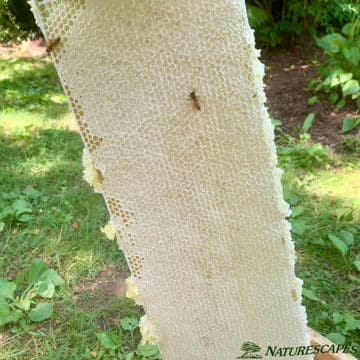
(250, 349)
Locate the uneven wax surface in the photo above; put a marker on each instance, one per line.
(195, 195)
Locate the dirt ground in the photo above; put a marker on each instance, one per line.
(287, 74)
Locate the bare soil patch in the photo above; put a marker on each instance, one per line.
(287, 74)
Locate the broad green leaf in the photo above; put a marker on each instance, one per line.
(46, 289)
(4, 306)
(32, 193)
(308, 122)
(130, 356)
(296, 211)
(2, 226)
(350, 124)
(356, 264)
(7, 288)
(337, 77)
(21, 206)
(339, 244)
(23, 304)
(20, 277)
(108, 340)
(147, 350)
(9, 196)
(336, 338)
(42, 311)
(346, 29)
(298, 226)
(308, 293)
(347, 236)
(351, 87)
(313, 100)
(332, 43)
(351, 323)
(25, 218)
(276, 122)
(352, 54)
(337, 317)
(129, 324)
(53, 276)
(10, 317)
(36, 269)
(292, 199)
(8, 211)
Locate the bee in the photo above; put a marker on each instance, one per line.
(52, 45)
(100, 176)
(195, 100)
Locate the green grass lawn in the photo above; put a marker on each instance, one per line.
(40, 152)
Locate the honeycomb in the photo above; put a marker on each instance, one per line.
(136, 265)
(193, 190)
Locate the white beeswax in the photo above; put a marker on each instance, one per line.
(191, 182)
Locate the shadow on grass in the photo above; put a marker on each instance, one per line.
(65, 231)
(31, 85)
(66, 213)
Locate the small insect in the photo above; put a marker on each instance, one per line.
(195, 100)
(100, 176)
(52, 45)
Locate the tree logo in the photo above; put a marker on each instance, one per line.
(250, 349)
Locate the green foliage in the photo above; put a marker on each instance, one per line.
(115, 344)
(283, 23)
(341, 72)
(16, 21)
(41, 164)
(325, 227)
(350, 124)
(30, 85)
(352, 143)
(302, 155)
(18, 207)
(327, 16)
(257, 16)
(19, 299)
(308, 122)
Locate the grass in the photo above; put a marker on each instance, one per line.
(41, 150)
(324, 195)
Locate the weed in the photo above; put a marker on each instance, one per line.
(19, 298)
(352, 143)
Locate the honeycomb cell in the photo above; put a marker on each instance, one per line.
(210, 219)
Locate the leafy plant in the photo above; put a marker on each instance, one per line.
(341, 72)
(345, 324)
(16, 21)
(350, 124)
(304, 156)
(308, 122)
(21, 304)
(278, 23)
(352, 143)
(277, 124)
(113, 344)
(18, 207)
